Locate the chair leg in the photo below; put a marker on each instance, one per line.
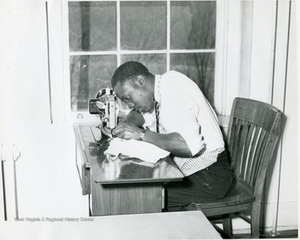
(255, 223)
(263, 213)
(221, 231)
(227, 225)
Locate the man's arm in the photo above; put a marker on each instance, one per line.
(172, 142)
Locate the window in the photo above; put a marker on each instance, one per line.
(163, 35)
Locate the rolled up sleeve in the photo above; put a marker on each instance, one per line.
(180, 115)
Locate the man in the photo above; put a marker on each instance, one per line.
(171, 112)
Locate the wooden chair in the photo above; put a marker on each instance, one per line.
(253, 136)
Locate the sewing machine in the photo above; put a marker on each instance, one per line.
(105, 104)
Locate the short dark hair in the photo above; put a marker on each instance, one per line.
(127, 71)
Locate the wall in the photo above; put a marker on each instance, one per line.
(268, 67)
(47, 180)
(287, 92)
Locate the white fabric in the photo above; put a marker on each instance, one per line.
(185, 110)
(137, 149)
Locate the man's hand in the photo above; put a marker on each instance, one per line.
(106, 131)
(127, 131)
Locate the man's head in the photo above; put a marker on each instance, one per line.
(134, 84)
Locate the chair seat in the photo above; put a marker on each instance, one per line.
(239, 198)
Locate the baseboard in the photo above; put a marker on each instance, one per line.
(270, 235)
(287, 219)
(268, 230)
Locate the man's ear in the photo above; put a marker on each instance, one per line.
(140, 81)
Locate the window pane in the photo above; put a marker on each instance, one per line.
(92, 26)
(156, 63)
(200, 67)
(88, 75)
(143, 25)
(193, 25)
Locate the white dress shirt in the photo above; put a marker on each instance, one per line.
(184, 109)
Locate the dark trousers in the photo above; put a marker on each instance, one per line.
(208, 184)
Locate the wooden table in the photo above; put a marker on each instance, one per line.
(119, 184)
(173, 225)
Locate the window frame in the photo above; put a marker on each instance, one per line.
(60, 86)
